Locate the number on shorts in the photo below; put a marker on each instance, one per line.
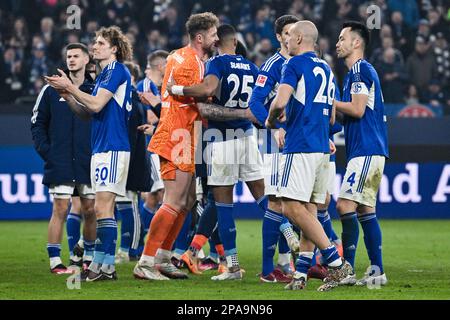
(103, 172)
(351, 179)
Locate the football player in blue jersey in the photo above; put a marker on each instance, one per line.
(263, 93)
(109, 107)
(305, 101)
(367, 148)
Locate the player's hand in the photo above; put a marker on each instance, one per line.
(61, 82)
(147, 128)
(282, 117)
(270, 124)
(332, 147)
(149, 98)
(169, 86)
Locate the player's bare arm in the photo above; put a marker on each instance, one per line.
(79, 109)
(215, 112)
(356, 108)
(278, 105)
(202, 90)
(93, 103)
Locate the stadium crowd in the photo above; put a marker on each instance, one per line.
(411, 50)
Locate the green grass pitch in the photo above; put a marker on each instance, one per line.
(416, 258)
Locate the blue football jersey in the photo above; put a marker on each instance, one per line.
(264, 92)
(366, 136)
(110, 126)
(309, 109)
(237, 77)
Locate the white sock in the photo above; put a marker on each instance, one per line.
(336, 263)
(163, 256)
(147, 260)
(284, 258)
(298, 275)
(81, 242)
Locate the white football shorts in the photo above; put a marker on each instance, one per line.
(362, 180)
(109, 172)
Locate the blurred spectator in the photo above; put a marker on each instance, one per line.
(412, 96)
(437, 23)
(11, 76)
(52, 40)
(263, 49)
(409, 10)
(421, 65)
(171, 26)
(301, 9)
(89, 32)
(262, 26)
(435, 96)
(401, 33)
(424, 28)
(442, 53)
(377, 55)
(38, 66)
(393, 77)
(118, 12)
(19, 39)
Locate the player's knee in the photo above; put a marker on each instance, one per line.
(60, 207)
(343, 207)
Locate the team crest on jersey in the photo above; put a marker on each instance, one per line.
(261, 81)
(356, 87)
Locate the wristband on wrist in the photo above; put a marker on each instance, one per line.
(177, 90)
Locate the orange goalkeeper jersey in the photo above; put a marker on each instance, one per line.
(175, 133)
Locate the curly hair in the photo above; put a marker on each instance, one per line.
(115, 37)
(201, 22)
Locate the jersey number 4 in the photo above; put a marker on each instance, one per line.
(247, 82)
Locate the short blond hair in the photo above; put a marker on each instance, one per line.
(201, 22)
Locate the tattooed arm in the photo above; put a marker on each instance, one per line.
(215, 112)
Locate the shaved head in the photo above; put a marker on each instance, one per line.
(308, 30)
(302, 37)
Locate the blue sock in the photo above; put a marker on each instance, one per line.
(350, 235)
(330, 254)
(313, 260)
(127, 227)
(227, 227)
(182, 241)
(325, 221)
(89, 247)
(73, 230)
(108, 231)
(212, 250)
(372, 240)
(333, 235)
(208, 220)
(270, 237)
(304, 262)
(263, 203)
(146, 218)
